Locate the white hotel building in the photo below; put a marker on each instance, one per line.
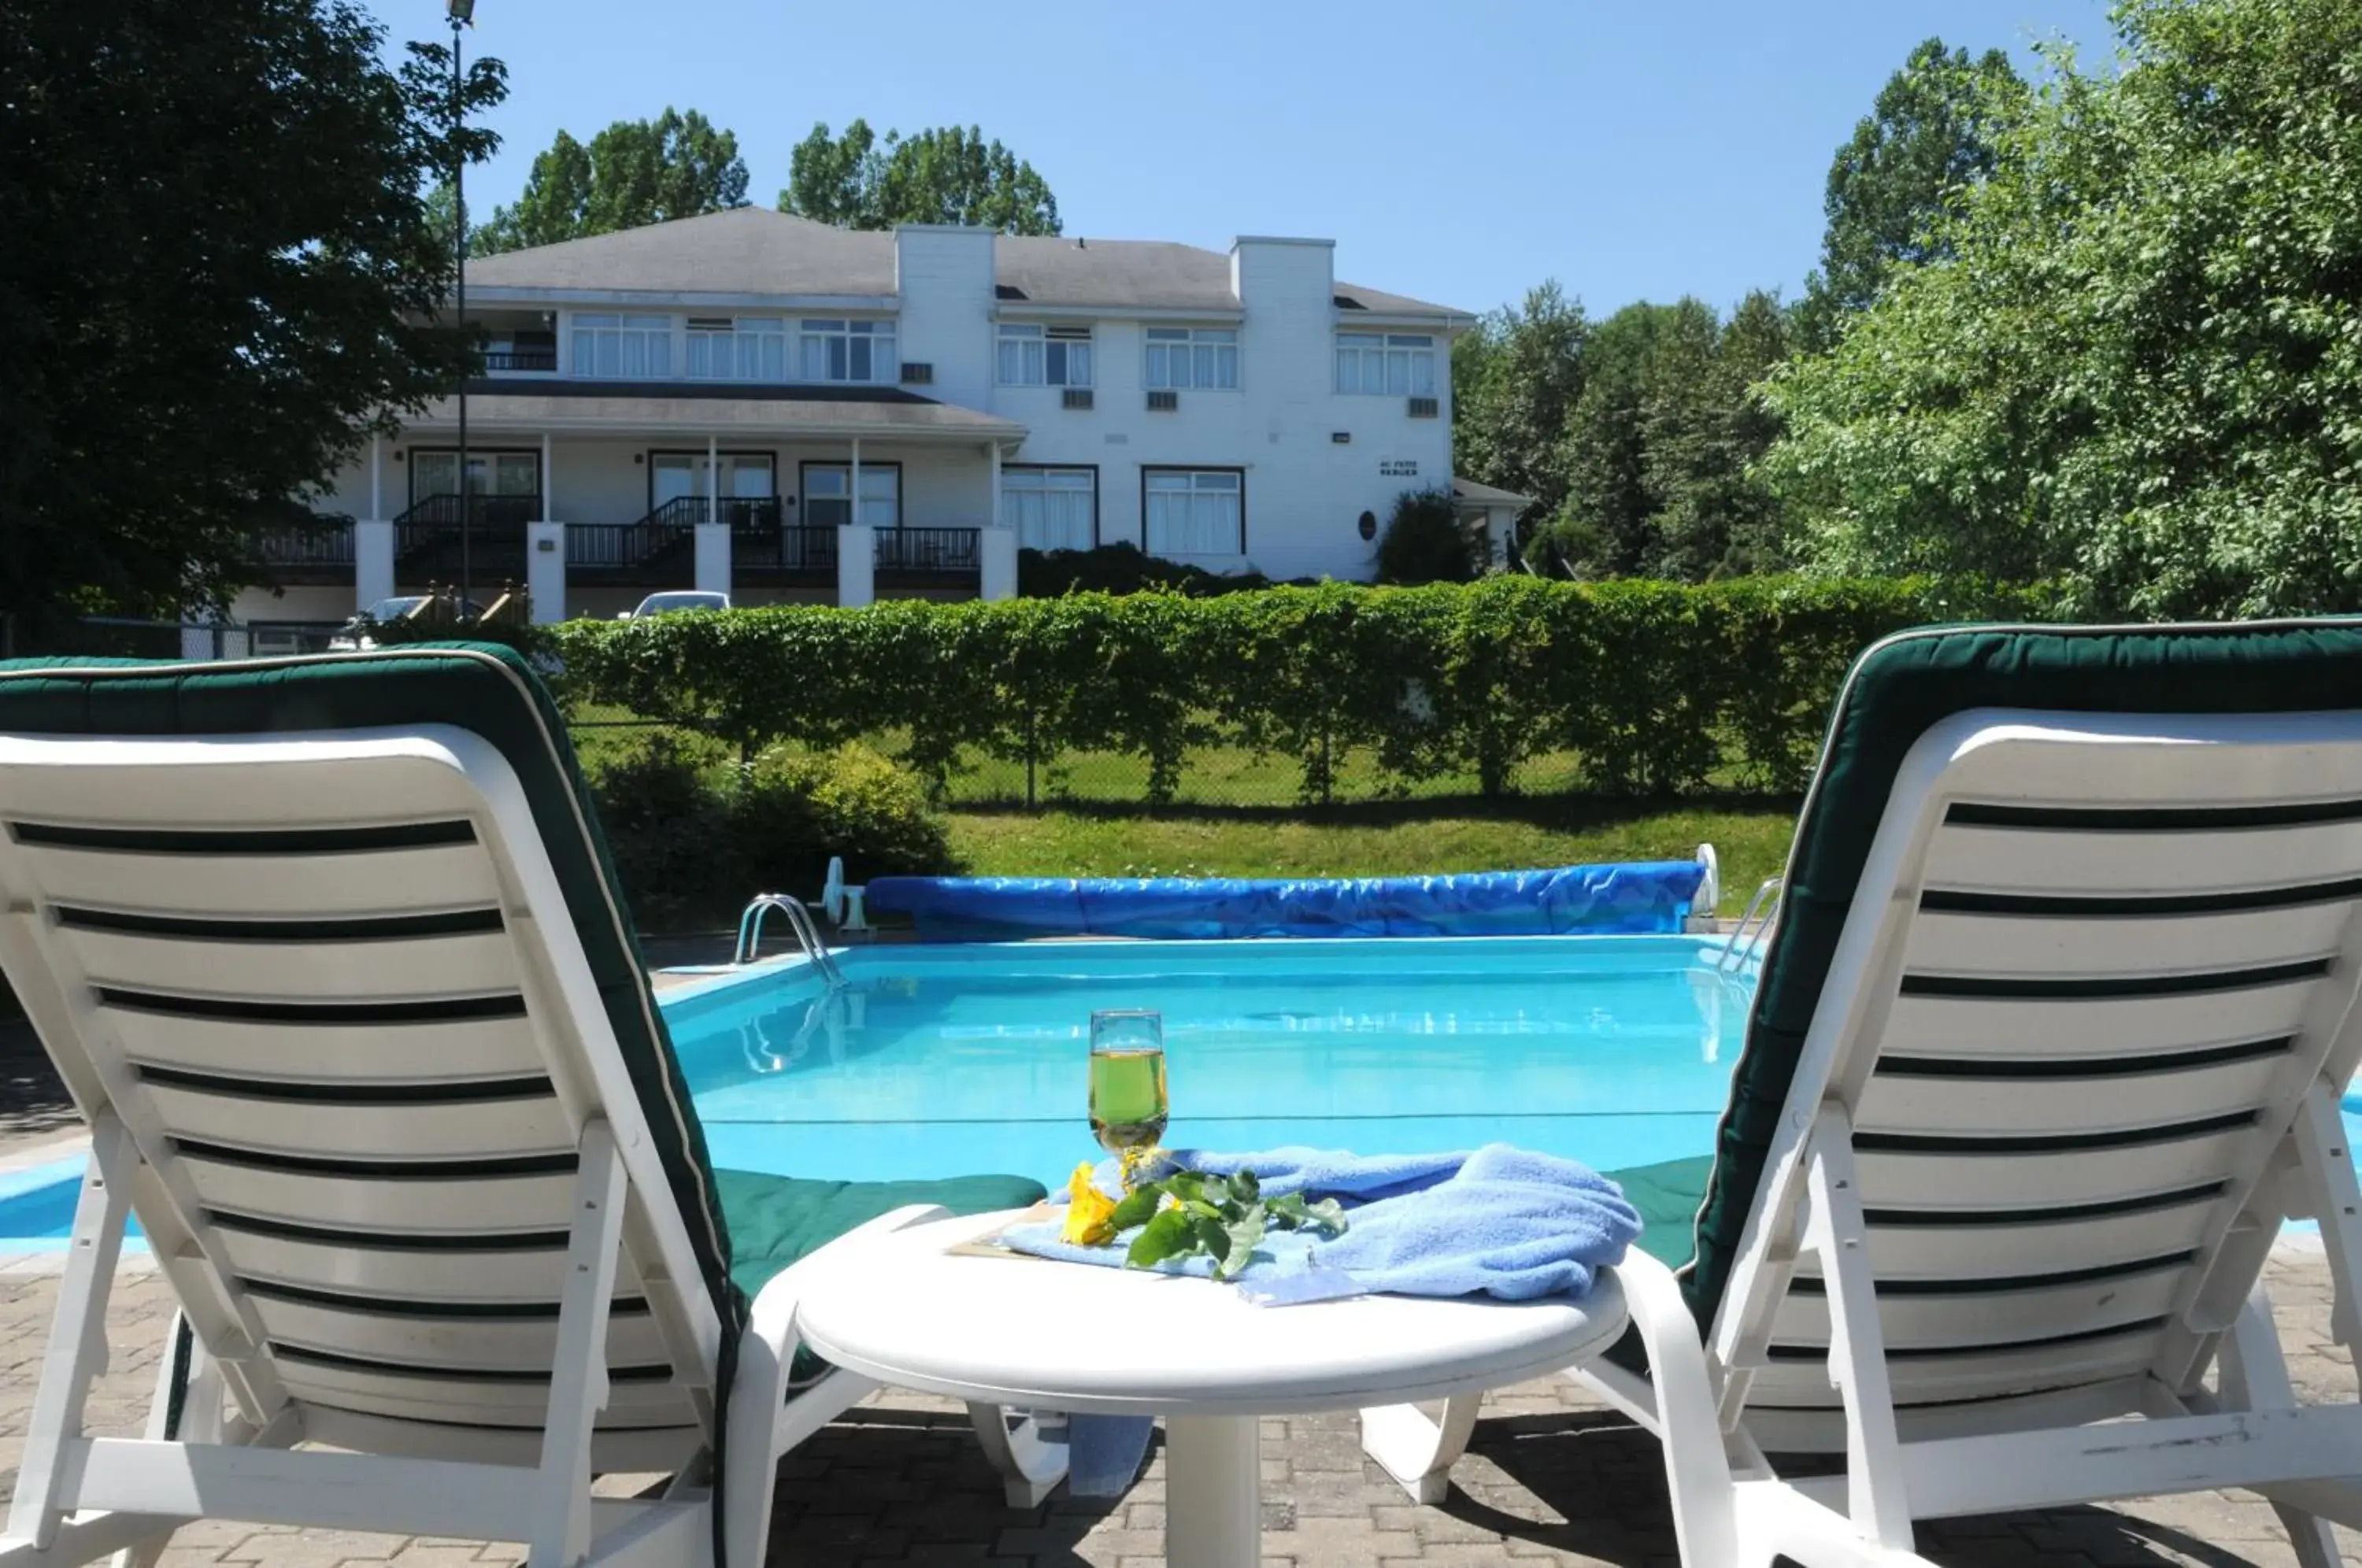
(786, 411)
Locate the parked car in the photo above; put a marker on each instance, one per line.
(673, 599)
(353, 636)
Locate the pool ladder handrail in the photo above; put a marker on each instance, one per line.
(1767, 902)
(799, 921)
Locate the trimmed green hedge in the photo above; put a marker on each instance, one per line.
(1657, 685)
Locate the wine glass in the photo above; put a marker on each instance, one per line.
(1128, 1104)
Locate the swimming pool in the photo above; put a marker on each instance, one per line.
(939, 1061)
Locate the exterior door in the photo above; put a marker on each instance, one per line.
(675, 475)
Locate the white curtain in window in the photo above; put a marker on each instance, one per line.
(1183, 358)
(1192, 514)
(882, 497)
(1051, 509)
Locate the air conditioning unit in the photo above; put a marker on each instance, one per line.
(1077, 397)
(1164, 402)
(1425, 408)
(918, 373)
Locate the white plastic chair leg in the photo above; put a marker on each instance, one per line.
(2255, 1378)
(1419, 1451)
(1030, 1460)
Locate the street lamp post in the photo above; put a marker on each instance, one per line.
(462, 13)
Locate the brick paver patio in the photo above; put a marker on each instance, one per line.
(1551, 1478)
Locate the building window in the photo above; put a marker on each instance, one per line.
(1045, 356)
(1051, 509)
(1194, 511)
(1202, 358)
(846, 351)
(1394, 364)
(744, 348)
(622, 346)
(828, 494)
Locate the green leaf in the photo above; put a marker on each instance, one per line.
(1167, 1235)
(1248, 1187)
(1213, 1237)
(1243, 1235)
(1136, 1207)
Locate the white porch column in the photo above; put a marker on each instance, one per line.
(856, 565)
(377, 476)
(852, 481)
(996, 562)
(548, 479)
(714, 479)
(713, 557)
(544, 570)
(372, 561)
(997, 547)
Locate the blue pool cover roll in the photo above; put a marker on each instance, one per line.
(1641, 898)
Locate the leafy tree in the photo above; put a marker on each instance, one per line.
(1931, 133)
(945, 175)
(1514, 379)
(216, 277)
(2140, 373)
(1704, 426)
(1605, 528)
(1659, 448)
(1423, 541)
(634, 172)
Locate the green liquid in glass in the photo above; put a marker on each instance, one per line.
(1127, 1107)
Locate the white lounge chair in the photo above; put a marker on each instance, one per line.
(2049, 1041)
(326, 951)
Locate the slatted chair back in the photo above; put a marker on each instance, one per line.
(327, 952)
(2073, 986)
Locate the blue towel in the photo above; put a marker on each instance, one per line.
(1502, 1221)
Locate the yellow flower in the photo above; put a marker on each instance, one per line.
(1090, 1211)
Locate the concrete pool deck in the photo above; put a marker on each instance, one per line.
(1551, 1478)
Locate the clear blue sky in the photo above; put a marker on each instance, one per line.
(1456, 152)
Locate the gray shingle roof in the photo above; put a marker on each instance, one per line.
(746, 250)
(755, 250)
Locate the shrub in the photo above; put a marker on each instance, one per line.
(1121, 568)
(1423, 541)
(693, 839)
(1661, 688)
(667, 818)
(791, 810)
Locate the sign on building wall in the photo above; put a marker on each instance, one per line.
(1399, 468)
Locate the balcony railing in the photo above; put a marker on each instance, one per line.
(930, 554)
(795, 550)
(498, 361)
(306, 551)
(629, 551)
(430, 544)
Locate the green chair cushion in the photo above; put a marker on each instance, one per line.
(1897, 690)
(775, 1220)
(1667, 1194)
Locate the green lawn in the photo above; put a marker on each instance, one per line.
(1401, 840)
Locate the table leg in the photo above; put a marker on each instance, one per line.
(1213, 1491)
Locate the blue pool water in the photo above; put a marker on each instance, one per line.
(951, 1060)
(37, 1207)
(945, 1061)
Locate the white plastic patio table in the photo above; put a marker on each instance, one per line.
(1026, 1333)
